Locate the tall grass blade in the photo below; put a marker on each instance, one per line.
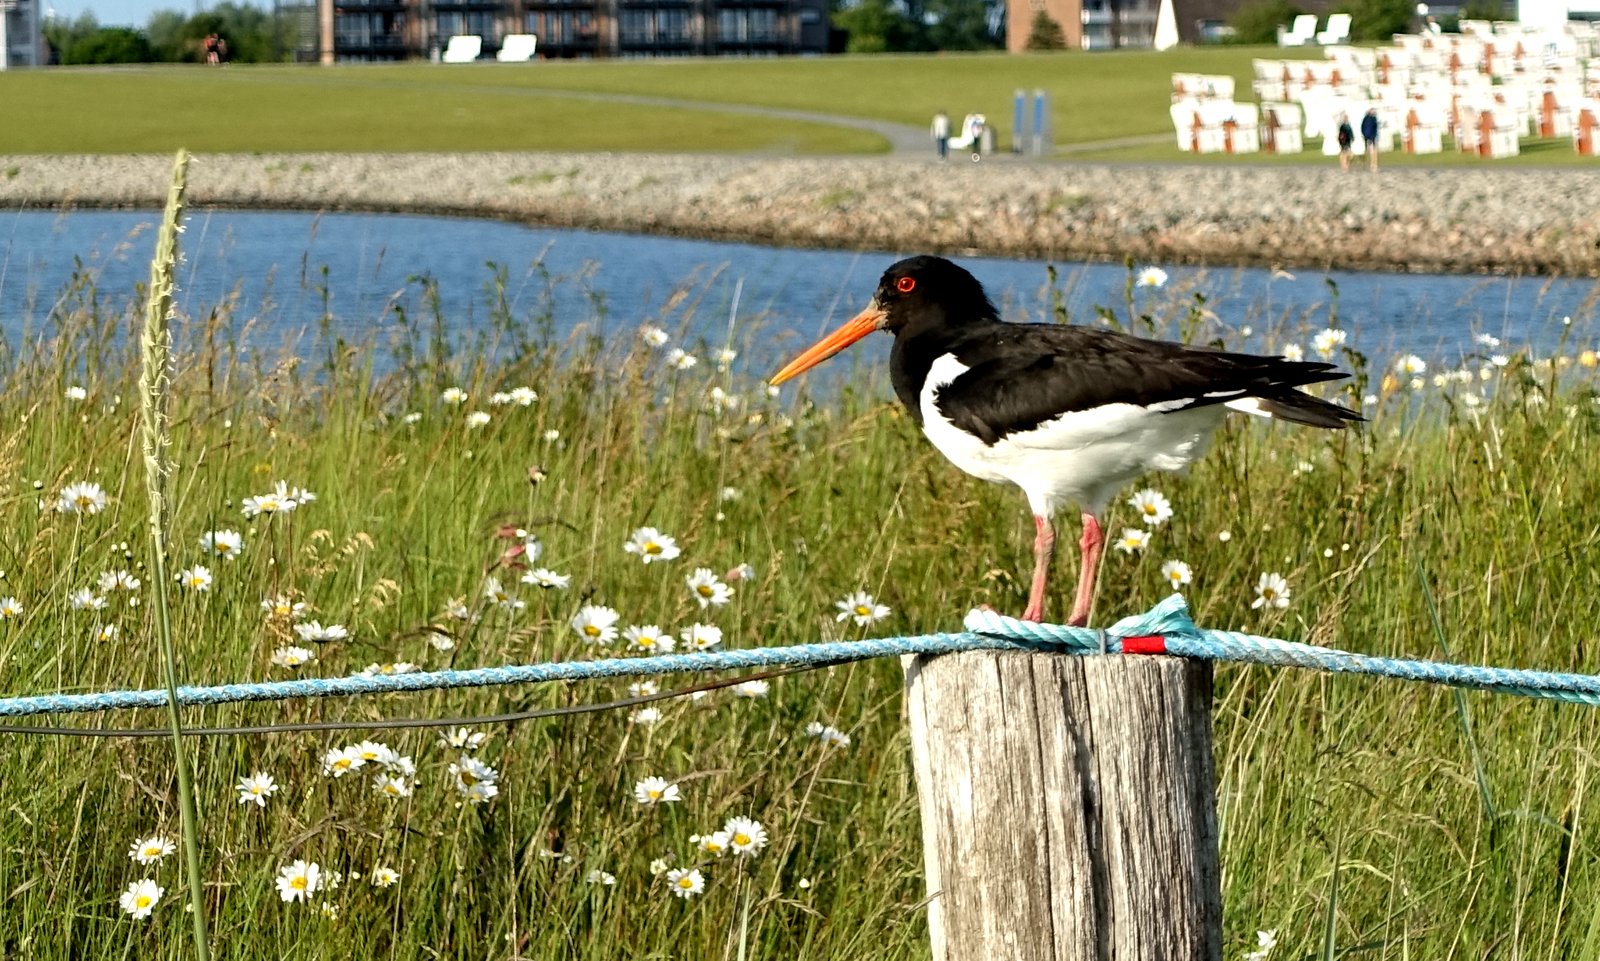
(1462, 712)
(155, 381)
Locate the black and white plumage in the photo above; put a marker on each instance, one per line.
(1068, 414)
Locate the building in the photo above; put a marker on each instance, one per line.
(1122, 24)
(408, 29)
(21, 39)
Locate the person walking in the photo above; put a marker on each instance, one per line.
(1347, 137)
(1369, 136)
(941, 134)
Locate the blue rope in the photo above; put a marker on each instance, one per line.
(1165, 628)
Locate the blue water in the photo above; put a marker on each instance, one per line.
(277, 265)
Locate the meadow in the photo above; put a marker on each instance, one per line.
(436, 496)
(1099, 103)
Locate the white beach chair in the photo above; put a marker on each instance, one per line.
(462, 49)
(1300, 33)
(1338, 29)
(517, 48)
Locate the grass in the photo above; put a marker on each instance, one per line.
(1451, 839)
(551, 105)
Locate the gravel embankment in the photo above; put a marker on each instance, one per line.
(1446, 220)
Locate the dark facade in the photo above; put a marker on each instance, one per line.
(413, 29)
(1120, 24)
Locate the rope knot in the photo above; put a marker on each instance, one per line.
(1147, 633)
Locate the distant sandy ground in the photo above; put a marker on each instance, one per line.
(1511, 220)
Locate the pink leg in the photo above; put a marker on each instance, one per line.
(1044, 548)
(1092, 543)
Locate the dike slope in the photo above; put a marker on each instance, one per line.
(1448, 220)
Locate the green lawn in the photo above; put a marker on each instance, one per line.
(571, 105)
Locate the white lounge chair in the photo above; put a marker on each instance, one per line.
(517, 48)
(1280, 123)
(1300, 33)
(462, 49)
(1338, 29)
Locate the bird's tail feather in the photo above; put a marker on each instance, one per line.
(1298, 407)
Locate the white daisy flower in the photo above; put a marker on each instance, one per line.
(477, 419)
(861, 607)
(1133, 539)
(1177, 573)
(656, 790)
(828, 734)
(681, 359)
(648, 639)
(454, 396)
(646, 716)
(653, 336)
(701, 637)
(196, 578)
(85, 599)
(595, 624)
(106, 632)
(283, 608)
(714, 844)
(751, 689)
(547, 579)
(316, 633)
(10, 608)
(1150, 277)
(1153, 507)
(227, 543)
(1328, 341)
(651, 545)
(76, 393)
(151, 849)
(686, 882)
(292, 656)
(745, 835)
(141, 898)
(391, 786)
(462, 738)
(339, 761)
(256, 788)
(707, 588)
(597, 876)
(299, 881)
(499, 399)
(643, 689)
(118, 581)
(83, 497)
(383, 877)
(523, 396)
(1410, 365)
(1271, 591)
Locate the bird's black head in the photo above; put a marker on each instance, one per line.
(916, 295)
(924, 291)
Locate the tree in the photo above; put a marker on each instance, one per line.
(877, 26)
(63, 35)
(1258, 22)
(1045, 33)
(252, 33)
(961, 25)
(110, 45)
(1378, 20)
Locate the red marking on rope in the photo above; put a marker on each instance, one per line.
(1147, 644)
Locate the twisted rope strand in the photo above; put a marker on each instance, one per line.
(1168, 622)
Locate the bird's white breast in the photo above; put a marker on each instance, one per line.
(1083, 456)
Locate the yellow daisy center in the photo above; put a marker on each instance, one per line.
(591, 630)
(685, 882)
(654, 794)
(863, 610)
(647, 641)
(741, 839)
(143, 901)
(704, 590)
(651, 547)
(84, 500)
(298, 882)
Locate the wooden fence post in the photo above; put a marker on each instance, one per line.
(1068, 806)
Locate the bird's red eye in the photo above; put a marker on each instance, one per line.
(906, 284)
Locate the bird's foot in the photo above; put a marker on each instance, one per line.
(1034, 614)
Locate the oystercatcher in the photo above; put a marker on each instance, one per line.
(1069, 414)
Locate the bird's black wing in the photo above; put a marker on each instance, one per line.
(1022, 375)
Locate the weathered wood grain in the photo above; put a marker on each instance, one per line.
(1068, 807)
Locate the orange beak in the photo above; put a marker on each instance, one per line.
(853, 330)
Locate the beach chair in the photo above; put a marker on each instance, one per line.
(462, 49)
(1280, 127)
(1303, 30)
(1338, 29)
(517, 48)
